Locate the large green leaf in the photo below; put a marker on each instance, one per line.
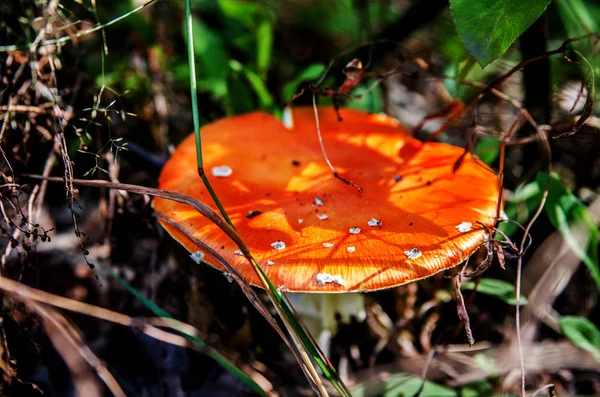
(568, 214)
(489, 27)
(582, 333)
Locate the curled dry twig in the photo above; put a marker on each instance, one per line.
(589, 101)
(494, 84)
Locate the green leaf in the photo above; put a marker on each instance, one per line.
(582, 333)
(568, 215)
(212, 58)
(402, 385)
(523, 203)
(371, 100)
(239, 96)
(265, 99)
(489, 27)
(499, 288)
(264, 45)
(312, 72)
(249, 14)
(488, 150)
(577, 18)
(486, 363)
(251, 25)
(463, 67)
(478, 388)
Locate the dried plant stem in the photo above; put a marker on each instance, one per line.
(291, 323)
(544, 139)
(148, 326)
(56, 320)
(248, 291)
(82, 33)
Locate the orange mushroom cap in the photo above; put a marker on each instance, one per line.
(311, 232)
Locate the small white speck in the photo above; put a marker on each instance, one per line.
(318, 201)
(503, 216)
(197, 256)
(374, 222)
(222, 171)
(351, 249)
(278, 245)
(322, 217)
(354, 230)
(300, 220)
(464, 227)
(228, 276)
(238, 252)
(270, 263)
(324, 278)
(413, 253)
(327, 245)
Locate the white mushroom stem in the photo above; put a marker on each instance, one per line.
(318, 311)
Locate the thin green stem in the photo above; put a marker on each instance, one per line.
(212, 192)
(195, 116)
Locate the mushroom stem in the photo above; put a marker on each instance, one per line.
(321, 313)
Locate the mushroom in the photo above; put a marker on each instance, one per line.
(317, 234)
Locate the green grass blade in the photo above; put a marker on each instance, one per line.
(294, 325)
(194, 99)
